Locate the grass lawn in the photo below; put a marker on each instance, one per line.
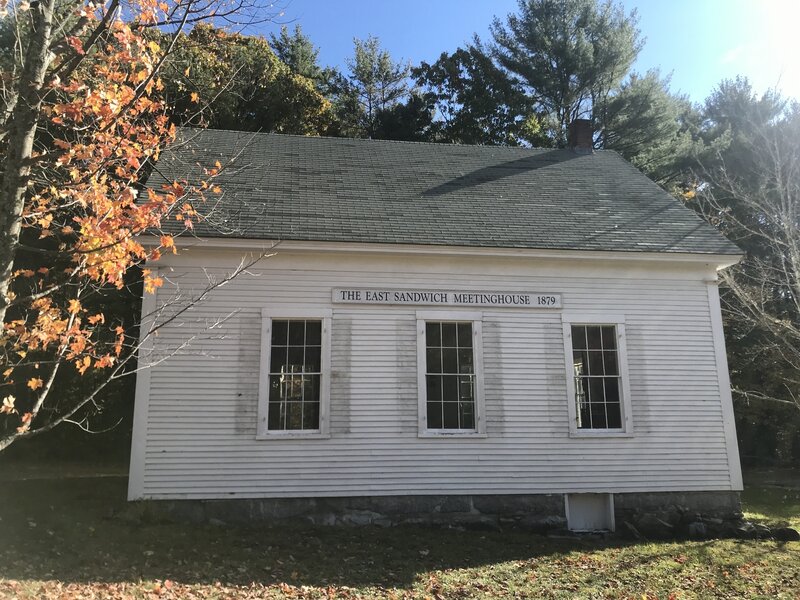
(60, 539)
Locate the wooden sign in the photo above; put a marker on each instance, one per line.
(419, 297)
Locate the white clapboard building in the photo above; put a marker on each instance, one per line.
(438, 330)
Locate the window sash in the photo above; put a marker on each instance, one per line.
(288, 409)
(294, 376)
(450, 373)
(596, 362)
(449, 361)
(597, 380)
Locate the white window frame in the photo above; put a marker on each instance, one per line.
(567, 321)
(267, 315)
(476, 318)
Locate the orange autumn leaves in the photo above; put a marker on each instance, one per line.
(104, 126)
(100, 172)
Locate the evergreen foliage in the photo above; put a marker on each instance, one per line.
(375, 84)
(568, 55)
(476, 102)
(651, 127)
(233, 81)
(297, 52)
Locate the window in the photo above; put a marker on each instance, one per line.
(294, 375)
(295, 359)
(597, 385)
(450, 374)
(597, 376)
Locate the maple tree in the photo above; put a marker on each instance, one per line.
(81, 126)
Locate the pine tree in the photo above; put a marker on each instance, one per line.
(568, 55)
(375, 83)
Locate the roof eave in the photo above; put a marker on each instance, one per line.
(719, 260)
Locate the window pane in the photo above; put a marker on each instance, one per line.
(465, 388)
(313, 359)
(464, 335)
(449, 335)
(593, 341)
(450, 418)
(295, 360)
(313, 333)
(297, 333)
(280, 332)
(595, 363)
(277, 391)
(610, 361)
(311, 388)
(433, 385)
(294, 415)
(614, 415)
(596, 389)
(277, 359)
(580, 361)
(433, 360)
(311, 415)
(584, 416)
(294, 387)
(434, 415)
(598, 415)
(449, 360)
(450, 388)
(433, 334)
(581, 390)
(578, 337)
(467, 415)
(275, 416)
(609, 338)
(586, 391)
(612, 389)
(465, 361)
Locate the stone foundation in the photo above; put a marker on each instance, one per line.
(664, 515)
(540, 512)
(651, 515)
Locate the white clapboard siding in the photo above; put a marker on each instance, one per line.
(197, 410)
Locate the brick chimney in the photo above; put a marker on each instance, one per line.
(579, 136)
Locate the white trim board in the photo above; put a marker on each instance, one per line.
(721, 261)
(141, 400)
(724, 379)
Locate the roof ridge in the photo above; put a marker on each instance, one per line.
(379, 141)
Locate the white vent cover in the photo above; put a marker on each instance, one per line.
(590, 512)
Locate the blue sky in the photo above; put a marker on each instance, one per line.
(699, 41)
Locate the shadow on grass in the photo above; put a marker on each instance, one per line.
(70, 530)
(67, 530)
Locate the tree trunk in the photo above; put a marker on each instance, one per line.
(19, 142)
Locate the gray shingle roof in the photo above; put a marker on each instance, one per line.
(283, 187)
